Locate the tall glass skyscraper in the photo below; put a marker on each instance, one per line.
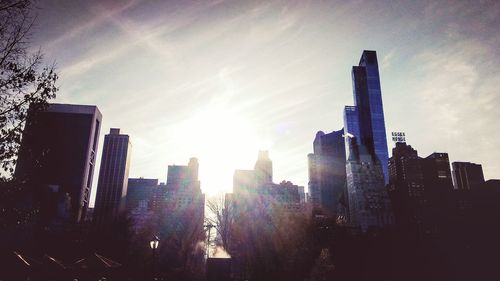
(365, 121)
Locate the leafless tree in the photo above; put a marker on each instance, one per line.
(220, 217)
(24, 82)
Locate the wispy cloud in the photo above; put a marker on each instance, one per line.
(461, 102)
(283, 69)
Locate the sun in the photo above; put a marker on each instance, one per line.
(223, 140)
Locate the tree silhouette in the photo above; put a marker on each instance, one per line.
(24, 83)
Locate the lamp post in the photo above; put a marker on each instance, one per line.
(154, 245)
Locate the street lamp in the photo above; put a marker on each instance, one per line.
(154, 245)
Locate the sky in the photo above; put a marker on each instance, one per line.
(220, 80)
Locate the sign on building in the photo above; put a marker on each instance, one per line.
(398, 137)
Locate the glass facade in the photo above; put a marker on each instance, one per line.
(351, 127)
(368, 107)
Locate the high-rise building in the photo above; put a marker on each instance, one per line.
(184, 177)
(369, 205)
(437, 173)
(327, 174)
(351, 127)
(467, 176)
(140, 191)
(407, 190)
(420, 190)
(405, 170)
(255, 208)
(243, 181)
(140, 201)
(263, 169)
(365, 120)
(182, 195)
(57, 158)
(113, 177)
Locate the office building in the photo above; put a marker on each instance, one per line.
(243, 181)
(365, 120)
(140, 192)
(405, 170)
(437, 173)
(113, 177)
(181, 197)
(57, 157)
(327, 174)
(407, 191)
(140, 201)
(467, 176)
(369, 205)
(257, 208)
(263, 170)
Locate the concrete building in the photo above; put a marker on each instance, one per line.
(181, 198)
(437, 173)
(327, 174)
(369, 204)
(263, 169)
(113, 178)
(467, 176)
(57, 158)
(140, 192)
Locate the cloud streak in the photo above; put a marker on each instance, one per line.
(283, 69)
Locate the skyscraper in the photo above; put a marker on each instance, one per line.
(467, 176)
(184, 177)
(113, 177)
(327, 174)
(405, 169)
(57, 158)
(263, 169)
(243, 181)
(365, 120)
(437, 173)
(369, 206)
(366, 148)
(182, 203)
(140, 191)
(140, 201)
(407, 191)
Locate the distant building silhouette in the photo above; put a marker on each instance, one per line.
(422, 193)
(113, 178)
(407, 190)
(141, 194)
(327, 174)
(57, 158)
(492, 184)
(140, 191)
(251, 185)
(181, 198)
(467, 176)
(243, 181)
(263, 170)
(437, 173)
(365, 120)
(254, 206)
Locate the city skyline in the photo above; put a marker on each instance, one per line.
(220, 81)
